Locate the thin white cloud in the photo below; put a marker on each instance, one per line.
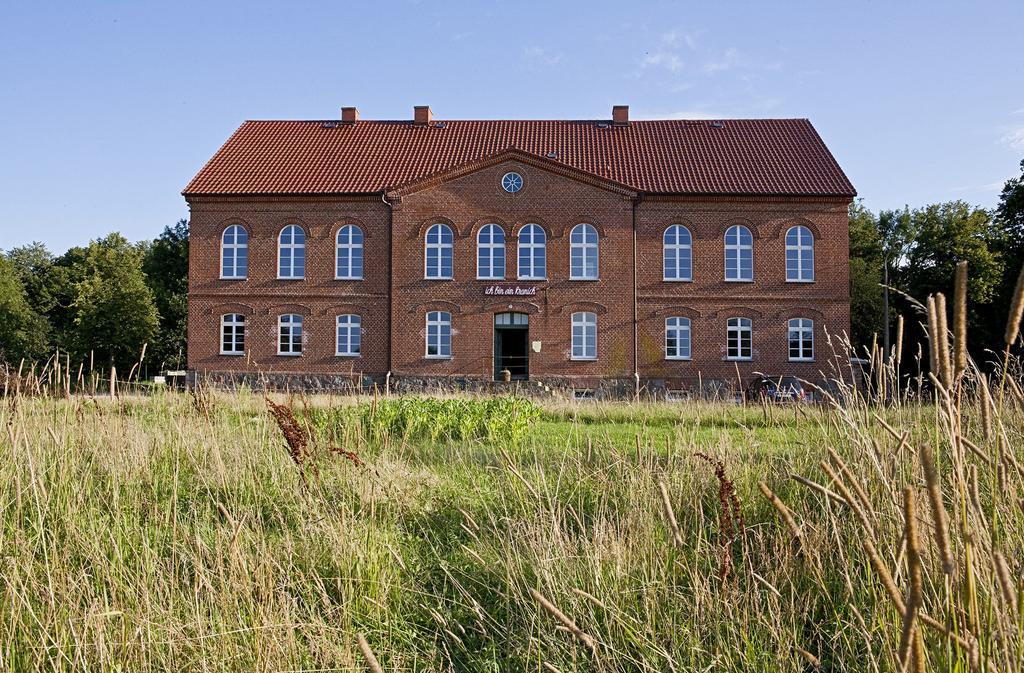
(689, 113)
(674, 37)
(541, 55)
(730, 59)
(989, 187)
(1014, 139)
(662, 59)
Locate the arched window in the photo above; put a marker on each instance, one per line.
(234, 252)
(678, 255)
(583, 252)
(799, 255)
(350, 335)
(739, 254)
(439, 334)
(438, 252)
(291, 252)
(677, 338)
(289, 334)
(532, 253)
(232, 334)
(801, 340)
(584, 336)
(348, 257)
(490, 253)
(739, 339)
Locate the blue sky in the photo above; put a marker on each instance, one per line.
(107, 109)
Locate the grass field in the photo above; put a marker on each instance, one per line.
(179, 533)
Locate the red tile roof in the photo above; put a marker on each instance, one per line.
(734, 156)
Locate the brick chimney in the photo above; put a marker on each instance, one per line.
(620, 115)
(349, 115)
(421, 115)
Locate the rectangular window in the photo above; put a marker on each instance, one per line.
(439, 334)
(232, 334)
(677, 339)
(349, 335)
(739, 339)
(801, 340)
(584, 336)
(289, 331)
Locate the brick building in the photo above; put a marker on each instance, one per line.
(590, 254)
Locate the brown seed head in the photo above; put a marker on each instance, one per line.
(960, 320)
(1016, 310)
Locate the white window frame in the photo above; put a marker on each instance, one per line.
(231, 321)
(441, 246)
(804, 253)
(490, 249)
(678, 249)
(234, 247)
(585, 250)
(442, 320)
(739, 248)
(739, 326)
(682, 324)
(350, 247)
(353, 326)
(287, 321)
(531, 249)
(803, 328)
(292, 248)
(587, 321)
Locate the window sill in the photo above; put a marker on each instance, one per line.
(592, 280)
(574, 359)
(291, 278)
(438, 278)
(437, 357)
(532, 279)
(234, 277)
(489, 278)
(236, 354)
(348, 278)
(290, 355)
(677, 280)
(678, 359)
(748, 359)
(739, 280)
(798, 282)
(801, 360)
(350, 356)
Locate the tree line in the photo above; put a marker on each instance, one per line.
(920, 248)
(113, 301)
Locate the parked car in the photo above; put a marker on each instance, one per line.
(778, 389)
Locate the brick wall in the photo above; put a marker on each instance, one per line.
(557, 202)
(769, 301)
(319, 298)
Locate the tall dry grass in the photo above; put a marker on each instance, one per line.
(182, 532)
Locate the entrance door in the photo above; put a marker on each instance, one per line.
(511, 351)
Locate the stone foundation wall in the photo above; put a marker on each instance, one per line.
(550, 387)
